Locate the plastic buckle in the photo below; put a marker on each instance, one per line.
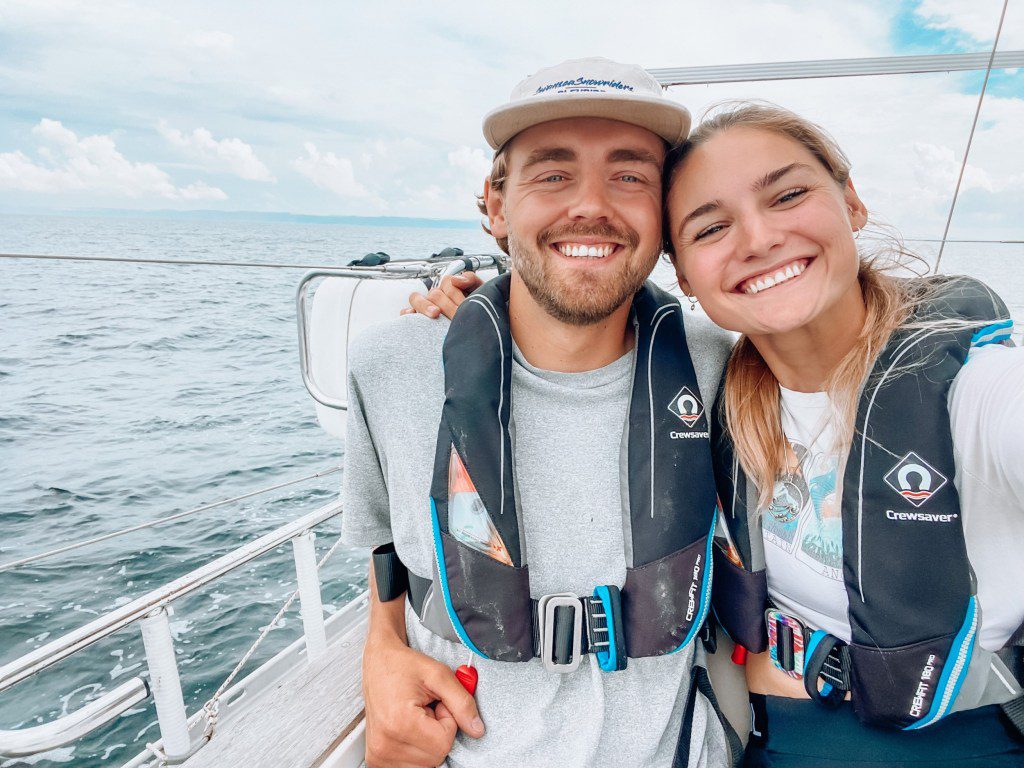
(546, 606)
(786, 642)
(605, 634)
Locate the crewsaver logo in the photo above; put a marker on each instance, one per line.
(687, 406)
(915, 479)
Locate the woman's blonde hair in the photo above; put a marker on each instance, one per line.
(751, 392)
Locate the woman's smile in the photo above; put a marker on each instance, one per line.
(788, 272)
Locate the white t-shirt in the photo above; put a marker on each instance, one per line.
(802, 528)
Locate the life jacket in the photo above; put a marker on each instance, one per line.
(480, 591)
(914, 615)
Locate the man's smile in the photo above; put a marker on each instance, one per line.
(587, 250)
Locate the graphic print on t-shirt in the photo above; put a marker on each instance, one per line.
(804, 517)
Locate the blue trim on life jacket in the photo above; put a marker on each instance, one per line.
(442, 571)
(607, 659)
(978, 338)
(996, 333)
(962, 649)
(816, 637)
(998, 338)
(705, 595)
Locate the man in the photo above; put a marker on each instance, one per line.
(543, 398)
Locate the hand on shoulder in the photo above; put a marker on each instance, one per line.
(444, 299)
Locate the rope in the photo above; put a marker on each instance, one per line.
(212, 707)
(159, 521)
(970, 138)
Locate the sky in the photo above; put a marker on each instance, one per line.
(343, 108)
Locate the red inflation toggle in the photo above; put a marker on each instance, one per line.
(468, 677)
(739, 655)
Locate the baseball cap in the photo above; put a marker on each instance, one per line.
(594, 87)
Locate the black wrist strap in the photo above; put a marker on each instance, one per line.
(390, 573)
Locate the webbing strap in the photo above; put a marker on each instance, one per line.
(1017, 638)
(389, 573)
(1014, 711)
(699, 681)
(563, 634)
(1012, 655)
(829, 659)
(592, 639)
(595, 622)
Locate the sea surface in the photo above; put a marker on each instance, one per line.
(130, 392)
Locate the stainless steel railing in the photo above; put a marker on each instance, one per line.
(151, 611)
(431, 271)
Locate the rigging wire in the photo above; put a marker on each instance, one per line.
(970, 138)
(159, 521)
(271, 265)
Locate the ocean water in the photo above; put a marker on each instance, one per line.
(129, 392)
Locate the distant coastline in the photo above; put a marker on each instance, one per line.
(270, 217)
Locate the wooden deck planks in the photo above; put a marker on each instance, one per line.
(291, 724)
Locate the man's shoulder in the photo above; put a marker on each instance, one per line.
(707, 340)
(402, 343)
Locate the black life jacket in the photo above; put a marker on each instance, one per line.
(669, 503)
(914, 616)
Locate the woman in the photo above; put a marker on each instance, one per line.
(869, 466)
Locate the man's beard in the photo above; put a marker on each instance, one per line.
(583, 298)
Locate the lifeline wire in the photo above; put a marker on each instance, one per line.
(170, 518)
(272, 265)
(970, 138)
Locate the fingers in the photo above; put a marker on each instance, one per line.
(456, 700)
(402, 728)
(441, 712)
(423, 305)
(445, 298)
(422, 741)
(467, 282)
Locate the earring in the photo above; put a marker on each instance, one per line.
(693, 302)
(856, 234)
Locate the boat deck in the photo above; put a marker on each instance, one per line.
(300, 719)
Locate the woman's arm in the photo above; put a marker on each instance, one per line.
(446, 298)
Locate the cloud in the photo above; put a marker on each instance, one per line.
(211, 41)
(90, 164)
(937, 168)
(200, 190)
(233, 155)
(330, 172)
(404, 128)
(472, 160)
(975, 18)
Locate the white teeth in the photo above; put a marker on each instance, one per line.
(768, 281)
(586, 251)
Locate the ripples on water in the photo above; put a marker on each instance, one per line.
(130, 392)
